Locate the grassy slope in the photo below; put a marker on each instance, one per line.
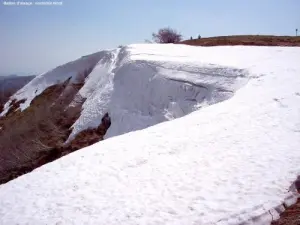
(37, 135)
(257, 40)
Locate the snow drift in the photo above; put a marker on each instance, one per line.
(140, 85)
(230, 163)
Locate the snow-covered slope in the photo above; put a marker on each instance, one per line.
(230, 163)
(141, 85)
(74, 70)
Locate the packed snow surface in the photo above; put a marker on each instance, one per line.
(142, 85)
(230, 163)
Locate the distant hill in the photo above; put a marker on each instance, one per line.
(254, 40)
(10, 84)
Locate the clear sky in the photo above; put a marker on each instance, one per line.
(34, 39)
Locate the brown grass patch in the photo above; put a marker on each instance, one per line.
(37, 135)
(291, 216)
(254, 40)
(91, 136)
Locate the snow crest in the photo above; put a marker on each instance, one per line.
(139, 85)
(138, 90)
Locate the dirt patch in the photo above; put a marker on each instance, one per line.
(291, 216)
(254, 40)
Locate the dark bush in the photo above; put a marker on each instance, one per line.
(167, 35)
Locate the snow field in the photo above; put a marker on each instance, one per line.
(230, 163)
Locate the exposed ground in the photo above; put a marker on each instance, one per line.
(37, 135)
(256, 40)
(291, 216)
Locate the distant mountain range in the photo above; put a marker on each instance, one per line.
(9, 75)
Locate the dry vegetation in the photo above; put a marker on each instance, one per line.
(37, 135)
(290, 217)
(90, 136)
(256, 40)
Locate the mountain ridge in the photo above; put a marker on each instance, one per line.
(102, 95)
(171, 173)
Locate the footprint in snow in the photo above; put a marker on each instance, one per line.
(280, 102)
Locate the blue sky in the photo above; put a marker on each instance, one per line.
(34, 39)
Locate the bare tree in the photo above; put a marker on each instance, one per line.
(167, 35)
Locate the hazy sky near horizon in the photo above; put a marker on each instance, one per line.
(35, 39)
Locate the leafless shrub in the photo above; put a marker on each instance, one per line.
(167, 35)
